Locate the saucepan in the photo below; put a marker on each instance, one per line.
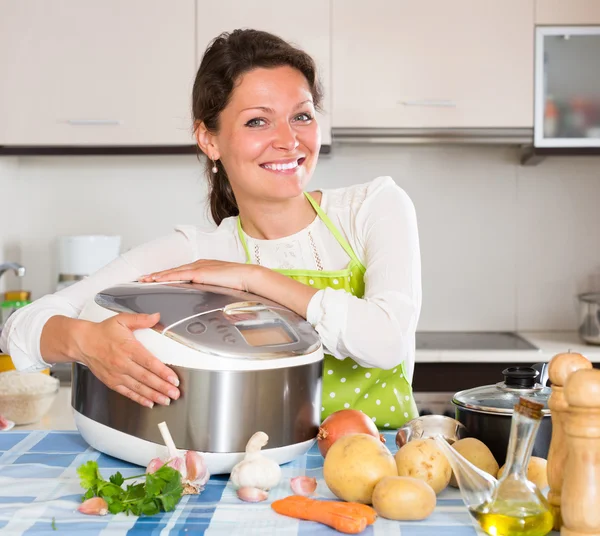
(485, 413)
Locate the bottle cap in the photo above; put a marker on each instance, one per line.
(530, 408)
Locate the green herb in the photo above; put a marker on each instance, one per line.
(54, 524)
(161, 490)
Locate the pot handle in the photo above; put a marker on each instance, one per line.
(542, 368)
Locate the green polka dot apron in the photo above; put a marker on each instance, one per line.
(384, 395)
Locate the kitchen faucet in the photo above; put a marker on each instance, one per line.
(17, 268)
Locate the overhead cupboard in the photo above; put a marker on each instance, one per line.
(91, 76)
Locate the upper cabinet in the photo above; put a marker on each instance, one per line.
(432, 63)
(96, 72)
(309, 29)
(567, 12)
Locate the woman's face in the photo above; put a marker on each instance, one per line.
(268, 138)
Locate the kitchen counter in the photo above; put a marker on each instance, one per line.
(549, 343)
(60, 416)
(40, 491)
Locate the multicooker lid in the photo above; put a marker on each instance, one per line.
(217, 320)
(502, 397)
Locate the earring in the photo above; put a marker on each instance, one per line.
(214, 168)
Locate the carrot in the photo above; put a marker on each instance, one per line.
(358, 509)
(333, 514)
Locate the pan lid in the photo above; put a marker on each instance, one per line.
(502, 397)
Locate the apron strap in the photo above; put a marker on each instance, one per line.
(243, 239)
(334, 231)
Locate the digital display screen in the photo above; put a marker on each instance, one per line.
(269, 335)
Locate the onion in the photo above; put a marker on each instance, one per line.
(342, 423)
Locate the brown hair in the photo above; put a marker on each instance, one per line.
(226, 59)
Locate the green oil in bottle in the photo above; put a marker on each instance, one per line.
(513, 520)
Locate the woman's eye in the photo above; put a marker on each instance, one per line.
(256, 122)
(303, 117)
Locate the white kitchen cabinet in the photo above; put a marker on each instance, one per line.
(91, 72)
(562, 12)
(307, 26)
(432, 63)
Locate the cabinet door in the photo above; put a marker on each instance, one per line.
(432, 63)
(307, 27)
(96, 72)
(567, 12)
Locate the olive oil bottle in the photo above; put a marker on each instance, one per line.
(506, 519)
(512, 505)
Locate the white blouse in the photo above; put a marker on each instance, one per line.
(377, 219)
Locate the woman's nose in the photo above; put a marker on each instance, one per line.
(285, 137)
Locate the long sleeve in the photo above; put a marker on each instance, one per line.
(21, 335)
(377, 330)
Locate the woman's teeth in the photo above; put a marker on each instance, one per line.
(281, 167)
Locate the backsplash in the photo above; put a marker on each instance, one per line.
(503, 247)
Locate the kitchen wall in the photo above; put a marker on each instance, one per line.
(503, 246)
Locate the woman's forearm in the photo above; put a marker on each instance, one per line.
(281, 289)
(59, 342)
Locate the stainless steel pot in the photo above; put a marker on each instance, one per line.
(589, 317)
(487, 411)
(244, 364)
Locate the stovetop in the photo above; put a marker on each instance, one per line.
(471, 340)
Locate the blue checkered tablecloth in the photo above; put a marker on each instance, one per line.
(40, 493)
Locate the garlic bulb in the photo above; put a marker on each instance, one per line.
(194, 473)
(256, 470)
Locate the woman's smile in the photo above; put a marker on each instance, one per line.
(284, 167)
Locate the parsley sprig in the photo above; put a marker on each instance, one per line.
(161, 491)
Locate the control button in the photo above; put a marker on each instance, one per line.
(195, 328)
(229, 338)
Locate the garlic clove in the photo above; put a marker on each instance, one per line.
(252, 494)
(154, 465)
(5, 424)
(303, 485)
(96, 506)
(197, 471)
(178, 463)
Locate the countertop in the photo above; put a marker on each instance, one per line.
(549, 343)
(40, 493)
(60, 416)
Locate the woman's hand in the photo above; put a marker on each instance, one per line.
(209, 272)
(120, 361)
(248, 277)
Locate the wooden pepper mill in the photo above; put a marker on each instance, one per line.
(580, 498)
(560, 368)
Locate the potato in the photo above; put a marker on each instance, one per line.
(355, 464)
(403, 498)
(536, 472)
(422, 459)
(478, 454)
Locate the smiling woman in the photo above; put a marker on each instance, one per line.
(326, 254)
(254, 102)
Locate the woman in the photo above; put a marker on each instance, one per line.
(345, 259)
